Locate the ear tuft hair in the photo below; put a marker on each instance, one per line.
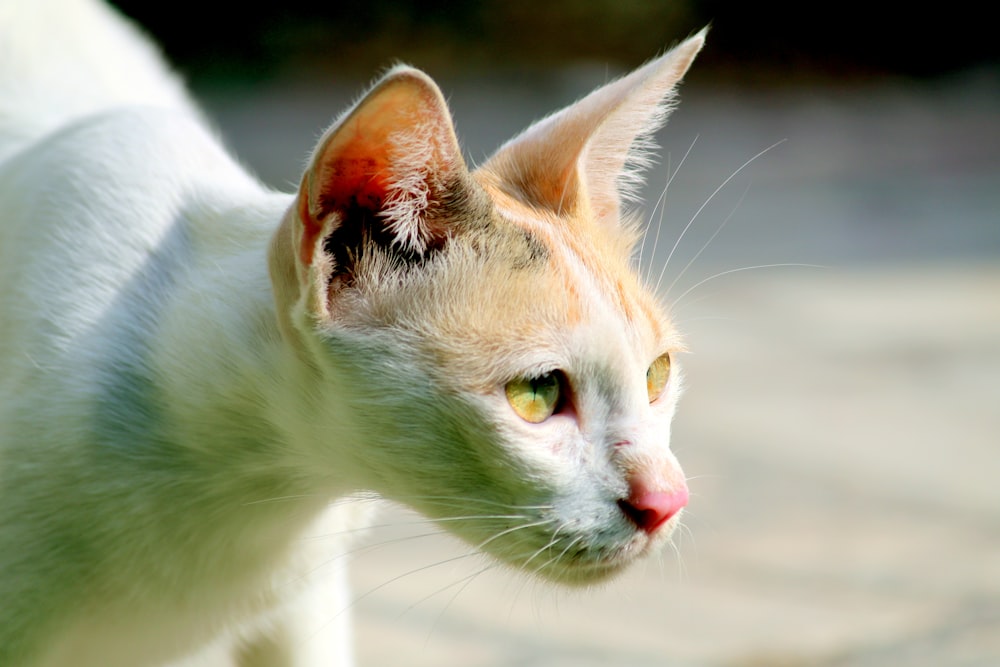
(390, 161)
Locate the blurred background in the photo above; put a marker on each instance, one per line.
(848, 38)
(840, 292)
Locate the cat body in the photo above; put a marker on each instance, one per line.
(197, 373)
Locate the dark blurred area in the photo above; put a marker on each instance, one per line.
(774, 42)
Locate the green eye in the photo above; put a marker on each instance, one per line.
(534, 399)
(657, 376)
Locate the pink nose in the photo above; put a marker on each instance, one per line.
(649, 510)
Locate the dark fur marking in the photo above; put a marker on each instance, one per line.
(535, 252)
(460, 209)
(361, 229)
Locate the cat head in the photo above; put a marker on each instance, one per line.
(477, 344)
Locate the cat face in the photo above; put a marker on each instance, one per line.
(482, 347)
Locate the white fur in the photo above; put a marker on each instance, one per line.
(174, 419)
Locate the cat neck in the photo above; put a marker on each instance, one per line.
(238, 395)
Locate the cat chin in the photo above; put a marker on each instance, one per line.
(601, 564)
(588, 574)
(585, 577)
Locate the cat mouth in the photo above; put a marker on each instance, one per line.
(576, 550)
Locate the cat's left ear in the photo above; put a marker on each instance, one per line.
(390, 172)
(394, 156)
(589, 155)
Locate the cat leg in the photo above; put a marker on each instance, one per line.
(313, 630)
(219, 654)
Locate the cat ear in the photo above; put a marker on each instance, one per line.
(591, 153)
(386, 172)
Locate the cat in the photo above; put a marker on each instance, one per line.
(197, 371)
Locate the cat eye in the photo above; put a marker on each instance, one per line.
(534, 399)
(657, 376)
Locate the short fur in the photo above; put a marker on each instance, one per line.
(196, 371)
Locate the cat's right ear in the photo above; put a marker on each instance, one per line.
(588, 157)
(389, 172)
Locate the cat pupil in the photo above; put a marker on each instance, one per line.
(545, 385)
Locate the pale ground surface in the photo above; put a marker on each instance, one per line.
(842, 424)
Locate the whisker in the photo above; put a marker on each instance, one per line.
(479, 517)
(704, 297)
(558, 557)
(465, 581)
(345, 500)
(350, 553)
(457, 501)
(524, 565)
(649, 220)
(423, 521)
(662, 198)
(508, 531)
(408, 573)
(720, 274)
(709, 318)
(473, 552)
(280, 499)
(551, 543)
(707, 202)
(684, 529)
(354, 602)
(681, 570)
(687, 266)
(703, 476)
